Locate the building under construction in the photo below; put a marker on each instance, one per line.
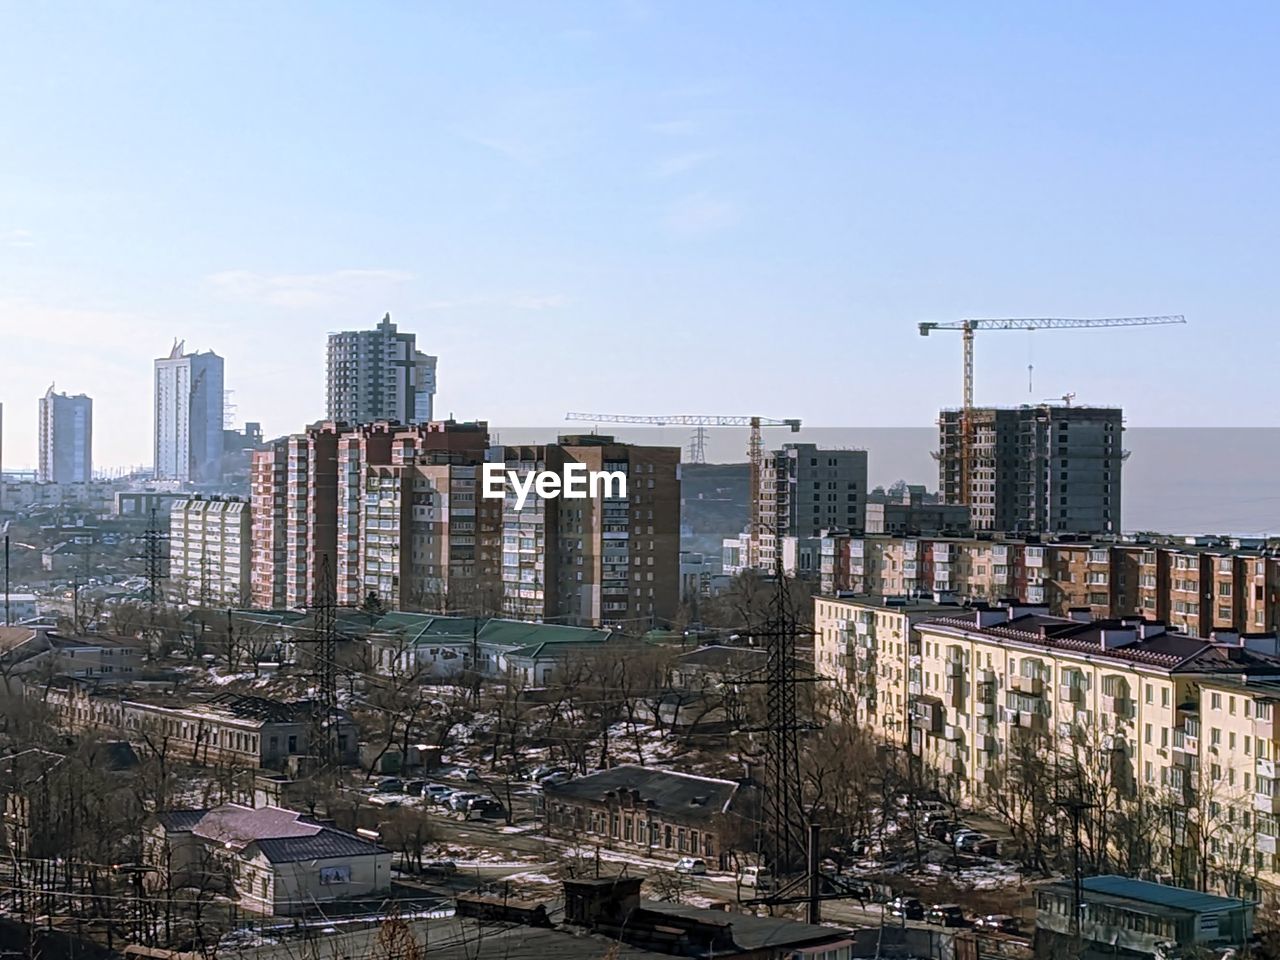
(1047, 468)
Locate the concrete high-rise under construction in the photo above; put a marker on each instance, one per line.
(1044, 468)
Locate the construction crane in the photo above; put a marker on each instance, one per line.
(969, 327)
(755, 452)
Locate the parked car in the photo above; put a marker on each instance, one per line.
(383, 800)
(390, 785)
(692, 865)
(485, 806)
(990, 847)
(436, 792)
(443, 868)
(469, 774)
(462, 800)
(958, 836)
(944, 830)
(556, 779)
(908, 908)
(544, 770)
(947, 915)
(998, 922)
(414, 787)
(970, 841)
(759, 877)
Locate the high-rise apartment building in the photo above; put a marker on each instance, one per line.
(1048, 468)
(424, 388)
(805, 490)
(311, 494)
(602, 559)
(189, 404)
(379, 374)
(210, 542)
(66, 438)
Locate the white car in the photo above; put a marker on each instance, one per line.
(692, 865)
(759, 877)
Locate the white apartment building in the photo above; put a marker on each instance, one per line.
(210, 546)
(189, 405)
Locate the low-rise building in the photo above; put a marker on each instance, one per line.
(225, 729)
(271, 860)
(657, 813)
(1120, 916)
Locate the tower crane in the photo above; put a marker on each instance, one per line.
(968, 328)
(755, 452)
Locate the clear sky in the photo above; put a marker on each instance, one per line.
(640, 207)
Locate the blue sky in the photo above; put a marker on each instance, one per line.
(639, 207)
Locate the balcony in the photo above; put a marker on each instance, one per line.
(1265, 844)
(1031, 686)
(984, 708)
(1264, 729)
(1070, 693)
(1266, 768)
(1266, 804)
(1119, 706)
(985, 676)
(954, 668)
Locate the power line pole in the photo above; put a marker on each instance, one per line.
(152, 538)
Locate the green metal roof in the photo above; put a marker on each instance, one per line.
(540, 639)
(1162, 894)
(425, 627)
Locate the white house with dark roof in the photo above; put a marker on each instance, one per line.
(269, 859)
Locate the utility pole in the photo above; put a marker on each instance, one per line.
(815, 876)
(8, 618)
(1074, 808)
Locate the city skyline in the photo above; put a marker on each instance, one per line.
(682, 203)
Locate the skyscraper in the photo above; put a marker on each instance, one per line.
(424, 387)
(379, 374)
(66, 438)
(1043, 468)
(188, 416)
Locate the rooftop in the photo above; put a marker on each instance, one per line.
(666, 790)
(283, 836)
(1158, 895)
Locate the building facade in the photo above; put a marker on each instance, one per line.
(189, 406)
(1048, 468)
(211, 550)
(66, 438)
(379, 374)
(806, 490)
(1164, 725)
(600, 560)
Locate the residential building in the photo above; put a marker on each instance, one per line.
(270, 860)
(269, 515)
(867, 645)
(909, 513)
(655, 813)
(210, 550)
(806, 490)
(601, 560)
(189, 407)
(1045, 468)
(66, 438)
(1121, 916)
(374, 375)
(1008, 695)
(424, 388)
(1197, 585)
(314, 505)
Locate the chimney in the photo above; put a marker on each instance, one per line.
(1080, 614)
(990, 617)
(1112, 637)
